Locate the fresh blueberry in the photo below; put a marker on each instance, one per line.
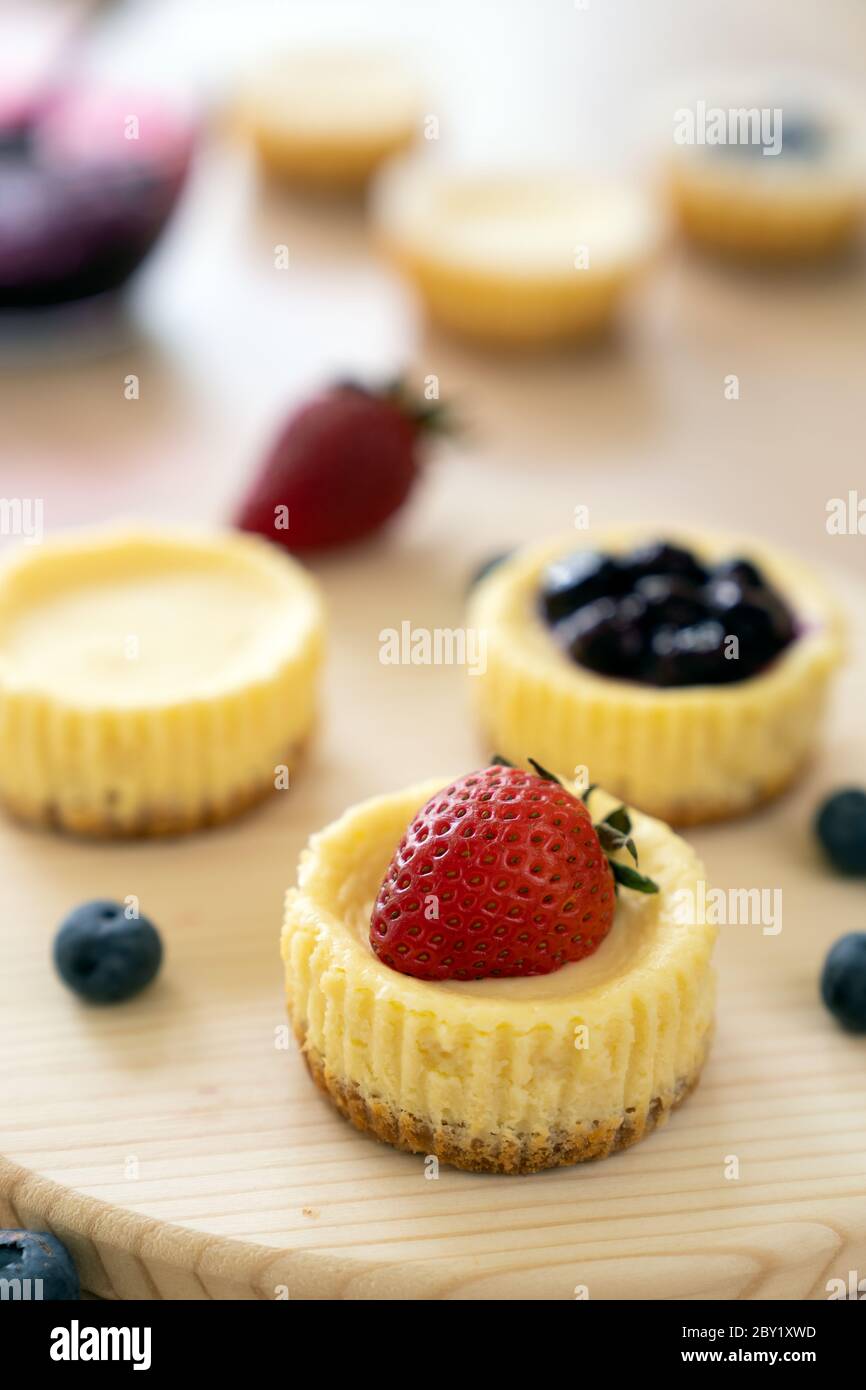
(579, 579)
(663, 558)
(841, 827)
(692, 655)
(605, 636)
(843, 981)
(41, 1267)
(105, 956)
(670, 601)
(487, 567)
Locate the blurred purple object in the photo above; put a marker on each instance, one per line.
(88, 180)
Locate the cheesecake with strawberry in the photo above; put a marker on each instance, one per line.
(499, 971)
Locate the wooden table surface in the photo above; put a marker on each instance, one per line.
(176, 1147)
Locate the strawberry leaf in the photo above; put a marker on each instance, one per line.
(610, 840)
(630, 878)
(542, 772)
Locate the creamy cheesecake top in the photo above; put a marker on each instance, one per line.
(132, 618)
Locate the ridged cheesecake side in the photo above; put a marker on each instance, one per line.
(737, 218)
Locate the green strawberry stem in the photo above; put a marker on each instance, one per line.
(434, 417)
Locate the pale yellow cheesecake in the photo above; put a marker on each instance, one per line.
(152, 680)
(329, 119)
(500, 1074)
(514, 260)
(769, 167)
(688, 754)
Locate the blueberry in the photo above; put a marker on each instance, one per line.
(803, 136)
(758, 619)
(663, 558)
(670, 601)
(578, 579)
(605, 636)
(742, 572)
(105, 956)
(608, 611)
(843, 981)
(781, 617)
(692, 655)
(31, 1256)
(841, 827)
(487, 567)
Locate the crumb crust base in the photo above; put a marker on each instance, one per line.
(494, 1153)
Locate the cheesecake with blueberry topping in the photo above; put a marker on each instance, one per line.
(775, 170)
(689, 674)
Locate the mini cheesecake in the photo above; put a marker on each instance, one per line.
(328, 120)
(152, 680)
(506, 1075)
(771, 170)
(654, 710)
(519, 261)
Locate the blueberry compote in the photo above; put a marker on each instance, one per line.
(660, 616)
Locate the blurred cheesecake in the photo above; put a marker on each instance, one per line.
(152, 681)
(766, 167)
(329, 119)
(521, 260)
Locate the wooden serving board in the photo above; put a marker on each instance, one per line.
(182, 1152)
(176, 1148)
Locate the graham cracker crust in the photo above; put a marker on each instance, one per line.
(494, 1153)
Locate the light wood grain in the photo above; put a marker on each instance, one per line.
(247, 1183)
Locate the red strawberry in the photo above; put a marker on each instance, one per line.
(501, 873)
(340, 467)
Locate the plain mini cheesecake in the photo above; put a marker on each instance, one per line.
(152, 680)
(506, 1072)
(329, 119)
(528, 260)
(613, 652)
